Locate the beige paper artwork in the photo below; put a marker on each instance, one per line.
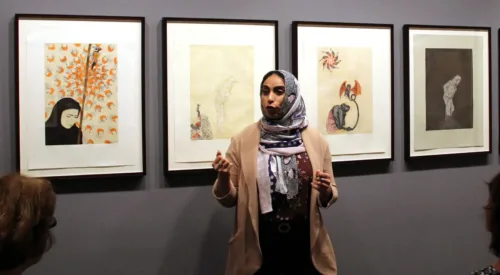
(221, 90)
(66, 103)
(345, 95)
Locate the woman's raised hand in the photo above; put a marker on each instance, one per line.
(221, 164)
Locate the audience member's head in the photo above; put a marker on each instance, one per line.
(492, 210)
(26, 217)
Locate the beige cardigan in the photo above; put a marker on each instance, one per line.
(244, 256)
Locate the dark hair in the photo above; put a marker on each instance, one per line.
(268, 74)
(494, 214)
(26, 216)
(62, 105)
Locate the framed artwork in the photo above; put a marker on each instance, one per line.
(212, 74)
(80, 95)
(447, 90)
(346, 73)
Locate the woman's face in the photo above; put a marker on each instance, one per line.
(272, 95)
(69, 118)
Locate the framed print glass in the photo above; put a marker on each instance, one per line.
(447, 90)
(212, 73)
(80, 95)
(346, 73)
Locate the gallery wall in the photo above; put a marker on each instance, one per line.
(424, 220)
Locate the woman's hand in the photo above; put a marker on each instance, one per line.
(221, 164)
(321, 182)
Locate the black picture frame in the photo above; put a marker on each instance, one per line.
(408, 102)
(202, 167)
(141, 157)
(498, 62)
(352, 162)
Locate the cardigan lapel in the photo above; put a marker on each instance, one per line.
(314, 157)
(249, 150)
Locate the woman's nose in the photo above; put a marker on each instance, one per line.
(271, 97)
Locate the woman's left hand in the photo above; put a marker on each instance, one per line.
(321, 182)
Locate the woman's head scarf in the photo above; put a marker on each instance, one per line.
(280, 141)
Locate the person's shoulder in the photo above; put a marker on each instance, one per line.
(247, 131)
(315, 134)
(316, 138)
(312, 130)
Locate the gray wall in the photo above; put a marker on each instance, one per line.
(427, 221)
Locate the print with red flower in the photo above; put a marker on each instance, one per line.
(330, 60)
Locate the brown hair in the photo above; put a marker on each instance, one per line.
(26, 216)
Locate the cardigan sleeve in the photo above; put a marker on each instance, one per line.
(328, 168)
(229, 199)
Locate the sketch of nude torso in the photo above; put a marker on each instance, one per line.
(449, 90)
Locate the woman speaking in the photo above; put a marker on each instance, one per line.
(278, 173)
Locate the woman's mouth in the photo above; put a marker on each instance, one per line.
(272, 111)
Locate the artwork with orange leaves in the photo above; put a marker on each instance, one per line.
(66, 102)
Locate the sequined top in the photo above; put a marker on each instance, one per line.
(296, 208)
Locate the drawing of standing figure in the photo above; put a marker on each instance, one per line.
(449, 90)
(223, 93)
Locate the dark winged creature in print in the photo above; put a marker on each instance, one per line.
(350, 92)
(339, 112)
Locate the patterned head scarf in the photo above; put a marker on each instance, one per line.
(280, 141)
(293, 106)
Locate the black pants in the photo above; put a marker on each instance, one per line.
(285, 249)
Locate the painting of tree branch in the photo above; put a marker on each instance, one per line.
(80, 103)
(221, 90)
(345, 96)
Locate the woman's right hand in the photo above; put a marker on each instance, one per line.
(221, 164)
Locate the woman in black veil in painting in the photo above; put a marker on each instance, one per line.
(60, 128)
